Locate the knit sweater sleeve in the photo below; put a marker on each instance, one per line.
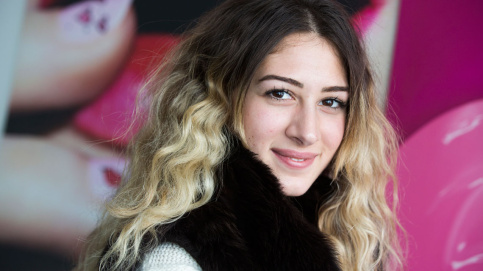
(169, 257)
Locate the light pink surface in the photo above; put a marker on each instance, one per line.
(441, 175)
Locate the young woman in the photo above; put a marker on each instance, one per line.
(263, 149)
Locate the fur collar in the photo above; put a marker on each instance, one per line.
(251, 225)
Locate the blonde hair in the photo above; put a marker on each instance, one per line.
(358, 217)
(195, 102)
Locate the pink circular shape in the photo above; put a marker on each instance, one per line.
(441, 176)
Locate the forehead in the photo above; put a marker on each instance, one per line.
(305, 55)
(296, 40)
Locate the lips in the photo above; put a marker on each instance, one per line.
(294, 159)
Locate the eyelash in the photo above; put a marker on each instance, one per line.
(271, 93)
(342, 104)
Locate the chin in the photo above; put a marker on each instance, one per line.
(294, 190)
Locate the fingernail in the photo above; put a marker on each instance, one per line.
(89, 20)
(105, 176)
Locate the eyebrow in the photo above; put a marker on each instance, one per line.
(281, 78)
(300, 85)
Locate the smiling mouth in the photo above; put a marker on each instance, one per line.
(294, 159)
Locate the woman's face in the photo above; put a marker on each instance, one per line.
(294, 110)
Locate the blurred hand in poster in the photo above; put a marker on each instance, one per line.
(53, 182)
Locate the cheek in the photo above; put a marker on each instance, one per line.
(256, 131)
(333, 132)
(261, 126)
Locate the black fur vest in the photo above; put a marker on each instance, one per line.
(251, 225)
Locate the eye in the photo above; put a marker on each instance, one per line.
(333, 103)
(279, 94)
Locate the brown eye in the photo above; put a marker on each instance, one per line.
(332, 103)
(279, 94)
(328, 102)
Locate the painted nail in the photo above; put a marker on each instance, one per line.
(89, 20)
(112, 177)
(105, 176)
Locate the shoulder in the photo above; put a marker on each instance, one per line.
(168, 257)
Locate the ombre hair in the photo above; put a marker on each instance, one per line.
(194, 116)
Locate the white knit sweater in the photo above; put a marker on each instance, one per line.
(169, 257)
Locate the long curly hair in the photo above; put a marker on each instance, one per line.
(194, 113)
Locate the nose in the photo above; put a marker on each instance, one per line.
(303, 126)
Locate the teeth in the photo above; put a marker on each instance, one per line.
(297, 160)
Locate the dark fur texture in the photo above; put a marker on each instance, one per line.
(251, 225)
